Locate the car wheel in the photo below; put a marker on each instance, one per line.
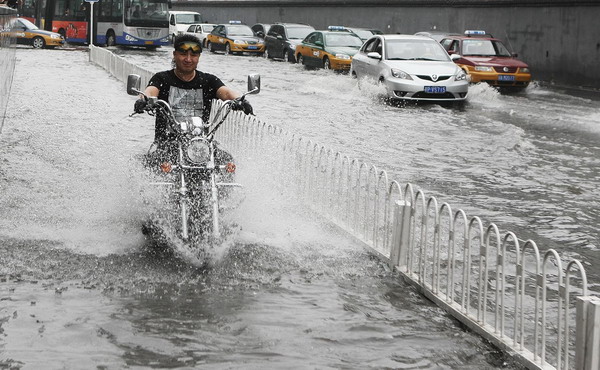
(286, 56)
(326, 63)
(227, 49)
(110, 39)
(38, 42)
(353, 73)
(266, 54)
(300, 59)
(63, 33)
(210, 46)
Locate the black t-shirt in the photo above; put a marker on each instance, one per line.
(187, 99)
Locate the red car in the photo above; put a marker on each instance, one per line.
(487, 59)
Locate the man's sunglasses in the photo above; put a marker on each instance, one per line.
(184, 47)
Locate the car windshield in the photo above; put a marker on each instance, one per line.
(188, 18)
(342, 39)
(239, 30)
(415, 50)
(208, 28)
(363, 34)
(488, 48)
(28, 24)
(298, 32)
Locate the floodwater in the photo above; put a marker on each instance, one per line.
(79, 287)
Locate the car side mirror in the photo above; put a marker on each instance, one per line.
(253, 84)
(279, 37)
(319, 43)
(133, 84)
(260, 34)
(374, 55)
(454, 56)
(515, 55)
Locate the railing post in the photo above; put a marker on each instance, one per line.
(400, 234)
(587, 345)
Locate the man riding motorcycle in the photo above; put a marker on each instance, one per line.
(189, 92)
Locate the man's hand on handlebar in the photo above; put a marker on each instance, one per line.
(140, 105)
(243, 105)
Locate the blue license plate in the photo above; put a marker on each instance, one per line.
(252, 47)
(506, 78)
(435, 89)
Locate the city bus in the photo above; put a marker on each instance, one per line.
(116, 22)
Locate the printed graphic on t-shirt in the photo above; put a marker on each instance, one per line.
(186, 103)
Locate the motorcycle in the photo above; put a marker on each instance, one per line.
(195, 171)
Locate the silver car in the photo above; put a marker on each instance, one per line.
(411, 67)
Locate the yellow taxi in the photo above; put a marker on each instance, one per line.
(234, 38)
(487, 59)
(331, 49)
(27, 33)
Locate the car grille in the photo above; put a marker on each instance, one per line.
(148, 33)
(424, 95)
(506, 83)
(428, 78)
(508, 69)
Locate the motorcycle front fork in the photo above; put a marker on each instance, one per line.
(183, 203)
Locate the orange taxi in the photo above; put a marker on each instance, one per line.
(234, 38)
(331, 49)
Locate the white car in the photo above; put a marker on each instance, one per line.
(179, 21)
(200, 30)
(411, 67)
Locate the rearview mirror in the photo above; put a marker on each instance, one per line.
(254, 84)
(455, 56)
(133, 85)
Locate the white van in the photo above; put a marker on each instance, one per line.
(179, 21)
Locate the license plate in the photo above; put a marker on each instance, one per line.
(506, 78)
(252, 47)
(435, 89)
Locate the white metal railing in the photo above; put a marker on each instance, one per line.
(509, 291)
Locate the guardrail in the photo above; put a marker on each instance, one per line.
(527, 302)
(7, 58)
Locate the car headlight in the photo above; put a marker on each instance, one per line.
(55, 36)
(400, 74)
(484, 69)
(239, 42)
(198, 151)
(524, 70)
(342, 56)
(460, 75)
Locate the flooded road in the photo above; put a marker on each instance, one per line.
(79, 287)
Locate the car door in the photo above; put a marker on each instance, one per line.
(360, 61)
(271, 41)
(315, 52)
(219, 38)
(373, 66)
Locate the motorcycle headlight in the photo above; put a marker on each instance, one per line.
(198, 151)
